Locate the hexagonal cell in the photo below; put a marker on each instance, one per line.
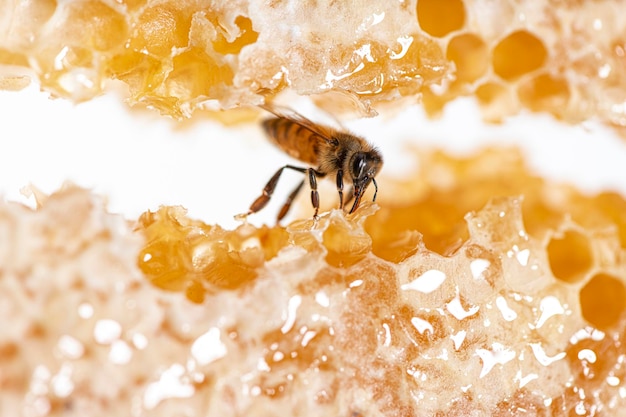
(603, 300)
(490, 92)
(544, 93)
(570, 256)
(440, 17)
(517, 54)
(497, 100)
(470, 55)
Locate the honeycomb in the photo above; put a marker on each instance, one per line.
(485, 291)
(478, 289)
(562, 57)
(492, 292)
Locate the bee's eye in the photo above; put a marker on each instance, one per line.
(358, 166)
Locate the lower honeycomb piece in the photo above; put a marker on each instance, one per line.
(477, 325)
(458, 300)
(481, 298)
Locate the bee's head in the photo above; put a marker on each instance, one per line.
(363, 168)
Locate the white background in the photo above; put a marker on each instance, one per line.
(140, 160)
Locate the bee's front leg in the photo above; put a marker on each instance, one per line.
(349, 195)
(315, 196)
(340, 187)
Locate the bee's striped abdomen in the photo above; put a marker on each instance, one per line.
(295, 139)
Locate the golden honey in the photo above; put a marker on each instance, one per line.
(497, 293)
(485, 283)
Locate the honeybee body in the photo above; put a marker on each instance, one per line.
(328, 154)
(298, 142)
(330, 151)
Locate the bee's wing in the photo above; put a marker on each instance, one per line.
(325, 132)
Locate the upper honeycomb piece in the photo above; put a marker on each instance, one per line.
(566, 58)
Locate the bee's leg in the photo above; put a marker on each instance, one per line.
(262, 201)
(315, 197)
(340, 187)
(285, 209)
(349, 196)
(375, 189)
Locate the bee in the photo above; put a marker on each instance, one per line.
(333, 153)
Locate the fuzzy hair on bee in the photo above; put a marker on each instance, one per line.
(327, 151)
